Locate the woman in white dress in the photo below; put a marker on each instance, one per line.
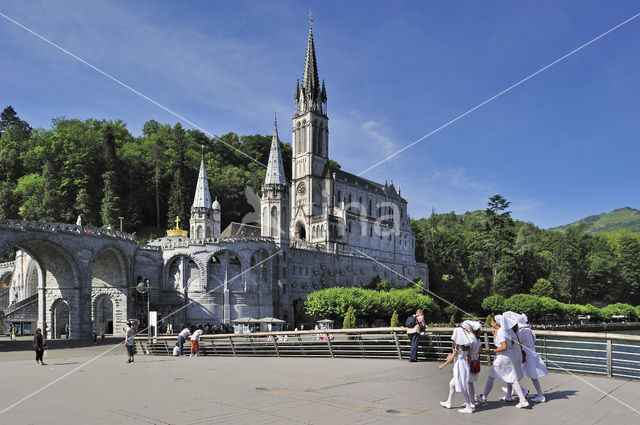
(462, 341)
(533, 366)
(473, 329)
(506, 366)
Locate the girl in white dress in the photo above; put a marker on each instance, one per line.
(533, 367)
(473, 329)
(461, 344)
(506, 366)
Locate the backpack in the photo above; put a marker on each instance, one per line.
(411, 322)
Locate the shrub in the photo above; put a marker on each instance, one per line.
(523, 303)
(452, 321)
(619, 309)
(493, 304)
(349, 321)
(395, 322)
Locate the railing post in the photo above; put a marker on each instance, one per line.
(609, 358)
(253, 348)
(362, 349)
(329, 345)
(395, 337)
(233, 348)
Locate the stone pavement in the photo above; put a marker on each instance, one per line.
(220, 390)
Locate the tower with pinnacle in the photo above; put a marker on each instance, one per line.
(274, 203)
(310, 143)
(205, 215)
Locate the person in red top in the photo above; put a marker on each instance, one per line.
(414, 335)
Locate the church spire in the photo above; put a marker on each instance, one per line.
(202, 198)
(309, 96)
(275, 169)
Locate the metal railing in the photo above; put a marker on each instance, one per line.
(606, 354)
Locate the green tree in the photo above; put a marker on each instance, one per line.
(542, 288)
(110, 210)
(349, 321)
(395, 322)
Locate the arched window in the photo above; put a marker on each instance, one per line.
(273, 231)
(369, 210)
(338, 199)
(349, 227)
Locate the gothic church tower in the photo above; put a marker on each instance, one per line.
(275, 196)
(205, 216)
(310, 143)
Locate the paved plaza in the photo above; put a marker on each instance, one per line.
(207, 390)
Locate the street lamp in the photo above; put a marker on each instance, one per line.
(143, 288)
(121, 218)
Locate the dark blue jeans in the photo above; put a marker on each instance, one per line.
(414, 337)
(180, 343)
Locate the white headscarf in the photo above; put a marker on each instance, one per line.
(471, 325)
(505, 322)
(460, 337)
(523, 321)
(512, 318)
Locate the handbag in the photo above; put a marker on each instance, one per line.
(45, 354)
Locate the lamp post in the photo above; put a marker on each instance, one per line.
(143, 287)
(121, 218)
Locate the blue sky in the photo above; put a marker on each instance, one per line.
(561, 146)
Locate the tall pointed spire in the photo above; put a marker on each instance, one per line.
(202, 198)
(275, 168)
(309, 94)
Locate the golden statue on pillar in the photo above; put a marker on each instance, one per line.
(177, 231)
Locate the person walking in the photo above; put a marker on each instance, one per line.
(505, 366)
(101, 335)
(66, 330)
(14, 333)
(182, 336)
(532, 365)
(474, 356)
(39, 345)
(128, 342)
(413, 332)
(462, 341)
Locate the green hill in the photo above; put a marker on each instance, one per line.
(621, 218)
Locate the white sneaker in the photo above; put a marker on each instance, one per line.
(523, 403)
(508, 400)
(471, 405)
(513, 393)
(445, 405)
(467, 409)
(481, 398)
(539, 399)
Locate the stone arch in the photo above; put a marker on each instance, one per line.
(300, 230)
(189, 278)
(226, 264)
(60, 314)
(199, 233)
(104, 314)
(59, 268)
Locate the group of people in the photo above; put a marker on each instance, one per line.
(515, 357)
(193, 333)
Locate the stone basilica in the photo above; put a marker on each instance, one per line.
(325, 228)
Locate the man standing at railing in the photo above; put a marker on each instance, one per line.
(414, 332)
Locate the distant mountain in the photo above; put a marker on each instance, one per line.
(622, 218)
